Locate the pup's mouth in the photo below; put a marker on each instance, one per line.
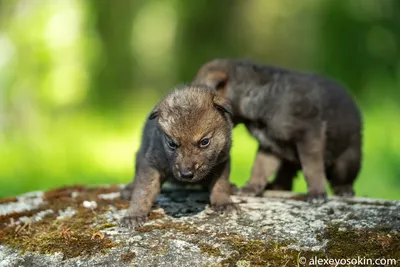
(196, 178)
(187, 180)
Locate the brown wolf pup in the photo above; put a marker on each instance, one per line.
(301, 121)
(186, 139)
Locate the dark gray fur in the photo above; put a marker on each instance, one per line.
(301, 121)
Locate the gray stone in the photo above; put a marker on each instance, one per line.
(183, 231)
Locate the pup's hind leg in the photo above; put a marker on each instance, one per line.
(284, 177)
(264, 166)
(344, 171)
(311, 154)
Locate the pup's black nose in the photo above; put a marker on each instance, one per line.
(186, 173)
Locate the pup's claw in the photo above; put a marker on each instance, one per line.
(133, 221)
(317, 198)
(225, 208)
(343, 191)
(250, 191)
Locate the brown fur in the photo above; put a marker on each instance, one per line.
(301, 121)
(174, 149)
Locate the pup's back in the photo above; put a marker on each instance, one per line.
(271, 95)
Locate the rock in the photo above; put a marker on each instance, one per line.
(56, 228)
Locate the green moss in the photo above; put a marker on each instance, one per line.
(259, 252)
(128, 256)
(375, 203)
(342, 242)
(105, 226)
(226, 235)
(353, 217)
(179, 227)
(161, 248)
(210, 250)
(303, 197)
(155, 215)
(319, 237)
(371, 243)
(72, 236)
(51, 235)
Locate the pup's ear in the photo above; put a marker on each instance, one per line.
(217, 80)
(154, 113)
(223, 105)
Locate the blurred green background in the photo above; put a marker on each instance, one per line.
(78, 78)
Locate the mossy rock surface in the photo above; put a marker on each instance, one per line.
(78, 226)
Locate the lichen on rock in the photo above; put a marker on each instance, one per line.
(56, 228)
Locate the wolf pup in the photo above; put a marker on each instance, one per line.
(301, 121)
(186, 139)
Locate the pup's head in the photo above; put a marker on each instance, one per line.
(197, 127)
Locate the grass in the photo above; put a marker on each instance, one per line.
(92, 149)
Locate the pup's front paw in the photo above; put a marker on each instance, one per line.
(343, 191)
(225, 208)
(317, 198)
(133, 221)
(251, 191)
(278, 187)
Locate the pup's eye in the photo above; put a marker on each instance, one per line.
(204, 142)
(171, 144)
